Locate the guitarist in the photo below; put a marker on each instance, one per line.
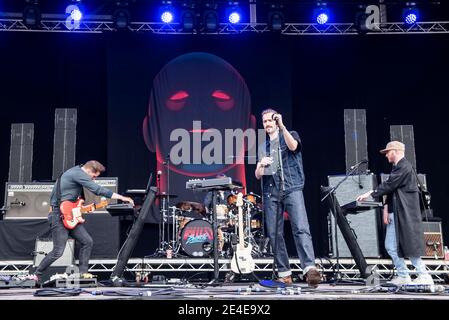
(69, 188)
(291, 199)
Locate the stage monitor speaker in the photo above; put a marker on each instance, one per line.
(44, 246)
(21, 152)
(356, 146)
(107, 182)
(433, 238)
(404, 134)
(27, 200)
(365, 225)
(64, 143)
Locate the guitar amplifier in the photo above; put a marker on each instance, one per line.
(433, 240)
(44, 246)
(365, 225)
(109, 183)
(27, 200)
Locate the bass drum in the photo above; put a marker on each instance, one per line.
(197, 238)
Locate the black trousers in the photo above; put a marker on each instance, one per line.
(60, 236)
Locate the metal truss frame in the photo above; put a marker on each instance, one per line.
(105, 26)
(439, 269)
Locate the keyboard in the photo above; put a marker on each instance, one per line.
(355, 207)
(120, 209)
(225, 183)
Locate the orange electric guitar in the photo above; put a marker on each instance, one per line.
(72, 211)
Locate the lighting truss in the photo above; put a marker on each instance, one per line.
(438, 269)
(91, 26)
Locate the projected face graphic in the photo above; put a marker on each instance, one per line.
(196, 87)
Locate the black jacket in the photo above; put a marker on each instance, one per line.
(402, 186)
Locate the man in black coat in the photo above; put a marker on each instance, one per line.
(402, 215)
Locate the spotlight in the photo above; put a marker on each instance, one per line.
(410, 14)
(32, 15)
(188, 20)
(275, 21)
(121, 19)
(210, 20)
(167, 16)
(234, 17)
(234, 13)
(76, 14)
(321, 13)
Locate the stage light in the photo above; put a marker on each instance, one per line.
(32, 15)
(188, 20)
(76, 14)
(234, 17)
(275, 21)
(121, 19)
(210, 20)
(167, 16)
(410, 15)
(321, 13)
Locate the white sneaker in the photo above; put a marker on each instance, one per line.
(398, 281)
(425, 279)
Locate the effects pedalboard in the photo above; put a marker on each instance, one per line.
(64, 280)
(17, 281)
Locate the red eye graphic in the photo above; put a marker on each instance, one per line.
(177, 101)
(223, 100)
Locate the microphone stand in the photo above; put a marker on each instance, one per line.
(332, 191)
(279, 207)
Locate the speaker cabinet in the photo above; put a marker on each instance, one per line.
(356, 146)
(433, 240)
(28, 200)
(365, 225)
(21, 152)
(44, 246)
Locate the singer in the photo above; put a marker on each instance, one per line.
(282, 182)
(70, 187)
(402, 215)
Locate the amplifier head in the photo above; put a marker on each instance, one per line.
(109, 183)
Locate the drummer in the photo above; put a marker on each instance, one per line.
(222, 197)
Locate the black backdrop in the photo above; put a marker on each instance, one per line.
(398, 79)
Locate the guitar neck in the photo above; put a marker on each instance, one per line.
(241, 237)
(88, 208)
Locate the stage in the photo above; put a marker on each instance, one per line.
(235, 291)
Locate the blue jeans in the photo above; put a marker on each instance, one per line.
(293, 203)
(60, 236)
(392, 249)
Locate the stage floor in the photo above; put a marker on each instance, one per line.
(235, 291)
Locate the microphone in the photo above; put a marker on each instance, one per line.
(159, 172)
(359, 163)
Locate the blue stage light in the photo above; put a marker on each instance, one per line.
(167, 16)
(411, 15)
(234, 17)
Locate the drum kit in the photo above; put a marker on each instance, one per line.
(187, 228)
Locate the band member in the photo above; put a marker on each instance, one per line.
(290, 199)
(70, 186)
(402, 215)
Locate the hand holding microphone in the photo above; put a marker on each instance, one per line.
(278, 118)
